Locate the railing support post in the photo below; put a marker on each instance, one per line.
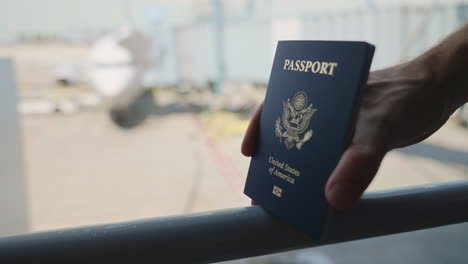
(13, 211)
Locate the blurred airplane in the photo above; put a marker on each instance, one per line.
(115, 69)
(118, 62)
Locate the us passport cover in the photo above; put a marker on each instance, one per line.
(309, 107)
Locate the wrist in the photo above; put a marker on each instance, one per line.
(447, 68)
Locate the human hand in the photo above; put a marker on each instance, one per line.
(400, 106)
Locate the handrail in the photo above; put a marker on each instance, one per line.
(237, 233)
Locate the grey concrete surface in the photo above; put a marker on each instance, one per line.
(82, 169)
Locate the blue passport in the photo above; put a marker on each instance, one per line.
(309, 108)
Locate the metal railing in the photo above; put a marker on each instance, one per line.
(237, 233)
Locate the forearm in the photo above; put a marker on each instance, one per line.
(448, 66)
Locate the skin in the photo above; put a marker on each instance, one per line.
(400, 106)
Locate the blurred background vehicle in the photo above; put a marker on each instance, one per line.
(186, 76)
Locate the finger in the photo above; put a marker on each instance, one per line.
(250, 137)
(354, 172)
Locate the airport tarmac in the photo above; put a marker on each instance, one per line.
(81, 169)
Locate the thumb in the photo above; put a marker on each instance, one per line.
(354, 172)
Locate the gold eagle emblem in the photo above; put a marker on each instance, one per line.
(295, 121)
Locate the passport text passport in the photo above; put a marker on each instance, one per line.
(310, 105)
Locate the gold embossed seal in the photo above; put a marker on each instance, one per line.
(295, 121)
